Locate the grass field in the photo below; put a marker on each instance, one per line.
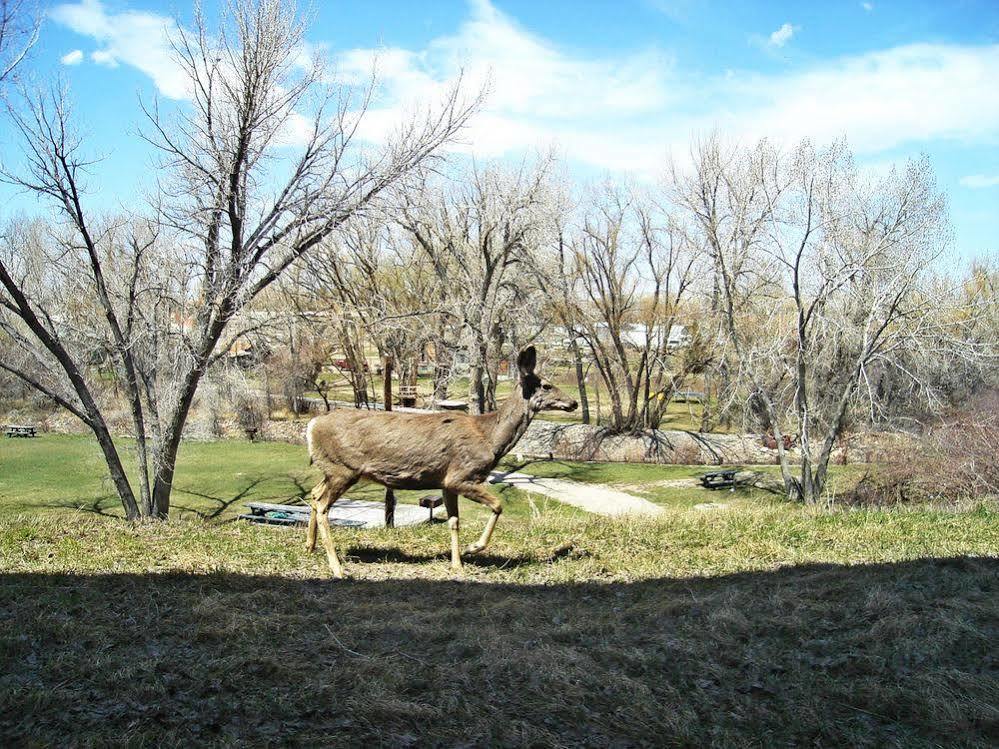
(753, 624)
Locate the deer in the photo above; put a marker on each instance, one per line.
(450, 451)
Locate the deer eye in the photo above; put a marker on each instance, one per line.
(546, 385)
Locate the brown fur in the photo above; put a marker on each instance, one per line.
(448, 451)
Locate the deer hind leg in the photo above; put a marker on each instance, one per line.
(451, 505)
(310, 537)
(479, 493)
(336, 484)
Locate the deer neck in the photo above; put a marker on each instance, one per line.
(512, 420)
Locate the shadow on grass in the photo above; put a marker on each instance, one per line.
(96, 506)
(561, 469)
(213, 508)
(396, 555)
(219, 506)
(818, 655)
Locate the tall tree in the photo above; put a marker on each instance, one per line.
(479, 233)
(20, 21)
(238, 203)
(635, 269)
(821, 277)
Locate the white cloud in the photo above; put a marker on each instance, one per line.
(782, 35)
(135, 38)
(626, 112)
(141, 40)
(879, 100)
(72, 58)
(979, 181)
(104, 57)
(867, 6)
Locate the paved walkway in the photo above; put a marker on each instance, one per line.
(595, 498)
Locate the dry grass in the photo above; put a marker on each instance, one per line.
(761, 624)
(757, 627)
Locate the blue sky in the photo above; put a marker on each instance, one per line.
(616, 87)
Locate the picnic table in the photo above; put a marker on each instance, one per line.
(21, 430)
(262, 512)
(719, 479)
(407, 396)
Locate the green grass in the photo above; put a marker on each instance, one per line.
(214, 480)
(761, 624)
(678, 486)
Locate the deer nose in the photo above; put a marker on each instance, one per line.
(571, 406)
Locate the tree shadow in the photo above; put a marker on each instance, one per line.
(893, 654)
(96, 506)
(222, 504)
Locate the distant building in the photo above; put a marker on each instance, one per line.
(635, 335)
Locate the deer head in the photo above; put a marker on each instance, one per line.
(540, 394)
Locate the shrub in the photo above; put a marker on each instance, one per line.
(959, 459)
(249, 413)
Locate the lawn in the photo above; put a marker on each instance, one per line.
(677, 486)
(756, 623)
(214, 481)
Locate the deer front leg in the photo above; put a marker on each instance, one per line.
(451, 505)
(479, 493)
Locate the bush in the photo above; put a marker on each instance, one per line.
(249, 413)
(959, 459)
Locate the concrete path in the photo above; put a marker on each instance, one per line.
(353, 513)
(595, 498)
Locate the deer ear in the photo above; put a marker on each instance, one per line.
(527, 360)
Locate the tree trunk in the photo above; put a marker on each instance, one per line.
(706, 406)
(117, 471)
(442, 370)
(165, 462)
(476, 386)
(389, 493)
(584, 401)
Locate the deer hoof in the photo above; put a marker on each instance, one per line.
(474, 548)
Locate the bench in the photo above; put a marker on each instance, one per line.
(19, 430)
(719, 479)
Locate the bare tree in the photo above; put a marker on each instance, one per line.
(480, 233)
(820, 276)
(562, 286)
(238, 203)
(20, 21)
(380, 290)
(635, 269)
